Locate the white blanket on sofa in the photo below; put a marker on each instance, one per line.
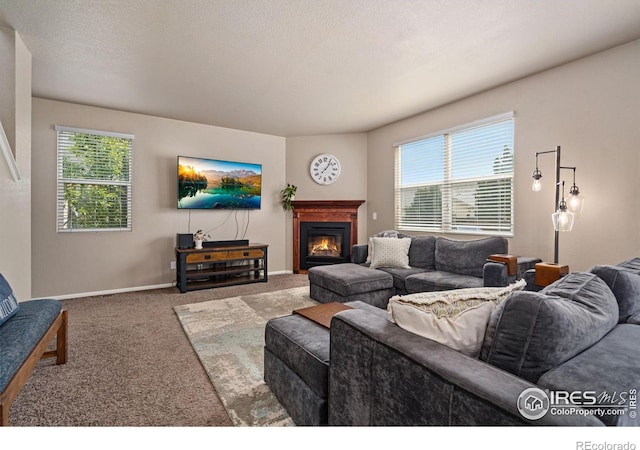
(456, 318)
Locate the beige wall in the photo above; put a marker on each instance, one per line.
(591, 108)
(79, 263)
(15, 196)
(351, 151)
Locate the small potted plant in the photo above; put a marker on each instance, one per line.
(288, 194)
(198, 237)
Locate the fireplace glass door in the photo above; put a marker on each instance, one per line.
(323, 243)
(326, 245)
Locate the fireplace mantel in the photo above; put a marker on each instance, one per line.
(303, 205)
(323, 211)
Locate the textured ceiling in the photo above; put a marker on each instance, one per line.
(301, 67)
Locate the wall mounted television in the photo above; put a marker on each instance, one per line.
(218, 184)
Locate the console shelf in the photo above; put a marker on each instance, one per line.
(221, 266)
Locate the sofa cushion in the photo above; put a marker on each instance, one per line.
(390, 252)
(400, 276)
(625, 285)
(592, 370)
(467, 257)
(8, 303)
(457, 319)
(440, 281)
(422, 252)
(533, 332)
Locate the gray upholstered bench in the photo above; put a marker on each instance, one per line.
(296, 365)
(26, 330)
(350, 282)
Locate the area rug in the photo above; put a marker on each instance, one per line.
(228, 337)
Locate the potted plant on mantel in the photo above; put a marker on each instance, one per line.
(288, 194)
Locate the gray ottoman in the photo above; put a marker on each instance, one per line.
(350, 282)
(296, 365)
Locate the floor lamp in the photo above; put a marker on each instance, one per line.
(564, 214)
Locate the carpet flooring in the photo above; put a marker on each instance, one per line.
(228, 336)
(131, 364)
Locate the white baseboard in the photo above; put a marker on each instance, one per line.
(137, 288)
(112, 291)
(281, 272)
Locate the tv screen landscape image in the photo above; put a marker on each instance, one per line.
(217, 184)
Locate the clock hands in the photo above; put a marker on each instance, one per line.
(327, 166)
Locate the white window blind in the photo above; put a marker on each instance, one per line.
(94, 180)
(458, 181)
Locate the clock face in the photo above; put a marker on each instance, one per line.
(325, 169)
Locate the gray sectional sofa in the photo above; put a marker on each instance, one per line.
(578, 335)
(439, 264)
(434, 264)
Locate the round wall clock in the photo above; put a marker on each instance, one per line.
(325, 169)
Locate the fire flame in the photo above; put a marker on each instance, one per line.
(324, 246)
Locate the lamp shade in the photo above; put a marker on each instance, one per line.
(536, 186)
(575, 204)
(562, 219)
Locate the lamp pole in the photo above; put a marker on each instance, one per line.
(537, 175)
(556, 239)
(562, 218)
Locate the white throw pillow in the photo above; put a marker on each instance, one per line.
(390, 252)
(386, 234)
(457, 318)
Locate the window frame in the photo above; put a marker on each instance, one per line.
(61, 215)
(449, 182)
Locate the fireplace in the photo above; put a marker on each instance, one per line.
(323, 243)
(323, 232)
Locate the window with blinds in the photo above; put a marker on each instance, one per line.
(457, 181)
(94, 180)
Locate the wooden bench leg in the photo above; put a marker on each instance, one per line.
(61, 340)
(4, 415)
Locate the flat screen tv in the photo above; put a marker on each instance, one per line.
(217, 184)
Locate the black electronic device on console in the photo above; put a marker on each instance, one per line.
(232, 243)
(184, 240)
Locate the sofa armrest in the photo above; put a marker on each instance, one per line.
(495, 274)
(510, 261)
(359, 253)
(513, 269)
(530, 278)
(381, 374)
